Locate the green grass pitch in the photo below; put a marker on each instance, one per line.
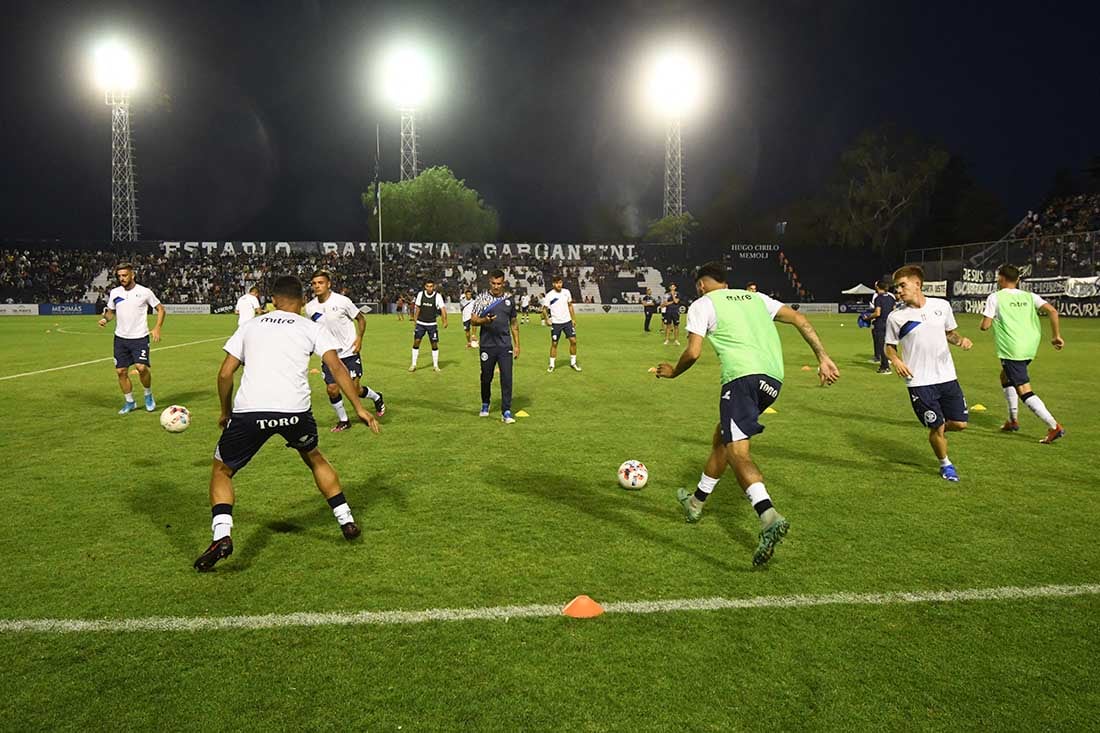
(103, 516)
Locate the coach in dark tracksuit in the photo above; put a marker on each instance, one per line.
(883, 303)
(649, 304)
(498, 344)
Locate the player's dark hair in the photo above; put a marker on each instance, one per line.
(429, 280)
(751, 284)
(495, 274)
(321, 273)
(909, 271)
(254, 288)
(884, 284)
(124, 266)
(287, 286)
(556, 279)
(1010, 273)
(714, 270)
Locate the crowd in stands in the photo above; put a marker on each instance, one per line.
(1065, 215)
(1063, 237)
(48, 275)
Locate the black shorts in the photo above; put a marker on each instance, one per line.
(1016, 371)
(556, 330)
(672, 319)
(431, 331)
(466, 325)
(131, 351)
(354, 364)
(934, 404)
(742, 401)
(247, 432)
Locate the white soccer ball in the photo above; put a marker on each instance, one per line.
(633, 475)
(473, 343)
(175, 419)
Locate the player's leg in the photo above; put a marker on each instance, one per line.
(505, 361)
(573, 349)
(433, 338)
(488, 365)
(466, 328)
(1017, 374)
(328, 483)
(676, 337)
(365, 392)
(555, 334)
(127, 387)
(418, 334)
(1012, 399)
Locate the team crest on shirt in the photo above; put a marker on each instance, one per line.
(929, 417)
(508, 304)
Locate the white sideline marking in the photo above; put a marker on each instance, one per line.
(108, 358)
(497, 613)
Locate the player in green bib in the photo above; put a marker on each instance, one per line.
(739, 325)
(1014, 316)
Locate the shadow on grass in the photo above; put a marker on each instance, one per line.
(595, 503)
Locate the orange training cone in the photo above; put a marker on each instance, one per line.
(582, 607)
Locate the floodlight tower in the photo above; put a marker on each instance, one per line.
(116, 75)
(674, 88)
(406, 76)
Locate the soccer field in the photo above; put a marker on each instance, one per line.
(104, 514)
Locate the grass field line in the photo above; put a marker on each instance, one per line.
(504, 613)
(107, 358)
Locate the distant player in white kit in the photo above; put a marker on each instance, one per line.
(129, 303)
(346, 324)
(248, 306)
(466, 303)
(557, 309)
(273, 398)
(923, 330)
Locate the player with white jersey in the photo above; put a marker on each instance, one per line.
(346, 324)
(466, 303)
(129, 304)
(1014, 316)
(923, 330)
(248, 306)
(274, 398)
(557, 309)
(428, 307)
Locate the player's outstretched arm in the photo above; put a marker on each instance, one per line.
(900, 367)
(225, 388)
(826, 370)
(1056, 339)
(691, 355)
(347, 386)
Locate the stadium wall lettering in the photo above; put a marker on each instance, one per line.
(188, 308)
(541, 251)
(18, 309)
(1069, 307)
(816, 307)
(936, 288)
(67, 309)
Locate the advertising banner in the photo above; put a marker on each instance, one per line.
(816, 307)
(18, 309)
(936, 288)
(187, 308)
(66, 309)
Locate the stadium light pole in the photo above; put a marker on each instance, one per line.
(115, 73)
(674, 90)
(407, 82)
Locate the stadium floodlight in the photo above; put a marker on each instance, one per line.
(674, 85)
(408, 81)
(115, 72)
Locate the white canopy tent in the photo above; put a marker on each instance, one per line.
(859, 289)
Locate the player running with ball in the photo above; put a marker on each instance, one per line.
(739, 325)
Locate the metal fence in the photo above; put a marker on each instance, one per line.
(1074, 254)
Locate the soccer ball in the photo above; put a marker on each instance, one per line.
(633, 475)
(175, 419)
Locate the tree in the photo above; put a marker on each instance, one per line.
(433, 207)
(962, 210)
(882, 190)
(671, 228)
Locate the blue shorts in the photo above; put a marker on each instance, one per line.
(431, 331)
(742, 401)
(131, 351)
(1016, 372)
(673, 318)
(934, 404)
(247, 432)
(556, 330)
(466, 325)
(353, 363)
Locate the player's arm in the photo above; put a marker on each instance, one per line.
(572, 315)
(1056, 339)
(687, 359)
(985, 324)
(347, 386)
(360, 329)
(225, 387)
(481, 320)
(827, 371)
(443, 310)
(514, 326)
(874, 314)
(155, 333)
(546, 314)
(900, 366)
(108, 316)
(962, 342)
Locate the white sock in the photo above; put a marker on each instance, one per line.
(129, 396)
(1013, 400)
(944, 462)
(222, 526)
(707, 484)
(343, 513)
(371, 394)
(573, 359)
(1036, 405)
(756, 493)
(416, 353)
(341, 413)
(148, 391)
(435, 357)
(552, 360)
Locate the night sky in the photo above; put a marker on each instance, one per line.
(256, 119)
